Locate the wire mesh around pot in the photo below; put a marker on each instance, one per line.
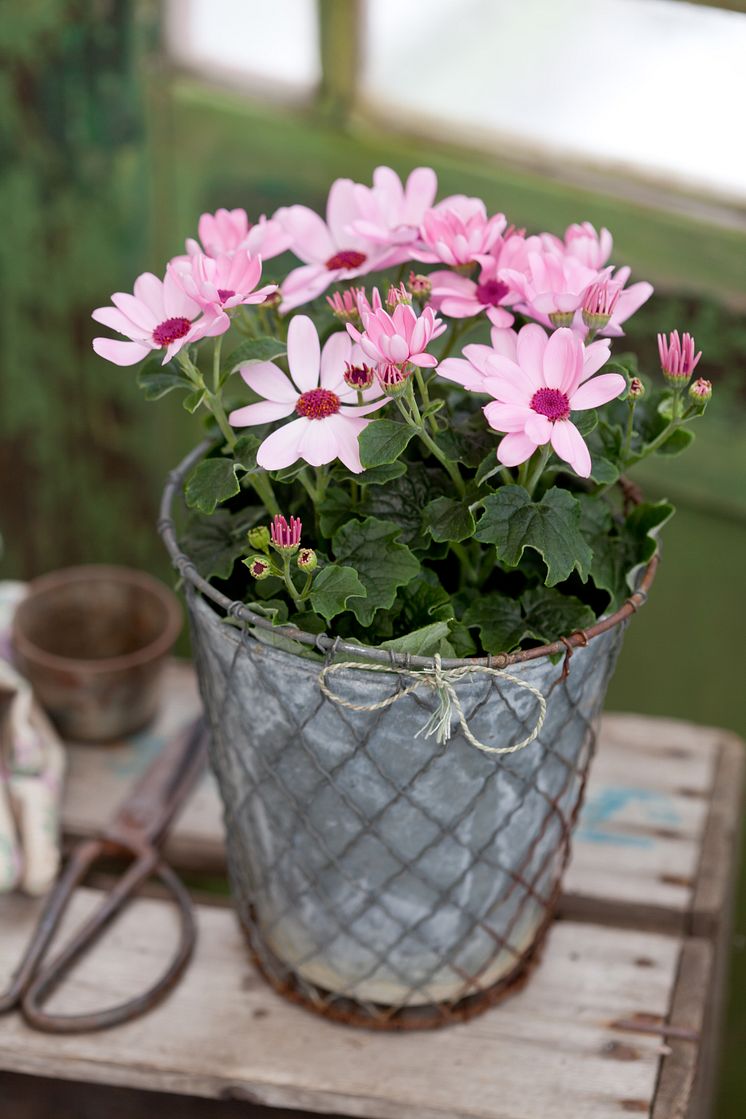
(382, 878)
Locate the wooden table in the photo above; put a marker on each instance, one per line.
(641, 938)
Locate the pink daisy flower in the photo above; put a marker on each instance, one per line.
(398, 338)
(228, 231)
(391, 213)
(158, 316)
(552, 287)
(458, 297)
(220, 283)
(457, 231)
(584, 243)
(331, 251)
(329, 418)
(536, 391)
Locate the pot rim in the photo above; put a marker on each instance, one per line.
(85, 573)
(331, 646)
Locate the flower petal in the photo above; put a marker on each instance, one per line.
(530, 348)
(116, 320)
(599, 390)
(337, 350)
(282, 447)
(594, 356)
(563, 360)
(121, 353)
(506, 417)
(346, 433)
(269, 381)
(515, 448)
(462, 372)
(570, 446)
(318, 445)
(538, 428)
(262, 413)
(304, 354)
(311, 240)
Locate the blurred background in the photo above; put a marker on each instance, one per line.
(123, 120)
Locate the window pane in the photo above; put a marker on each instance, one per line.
(273, 48)
(657, 86)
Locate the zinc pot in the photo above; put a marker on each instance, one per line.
(382, 876)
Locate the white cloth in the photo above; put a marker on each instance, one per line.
(32, 766)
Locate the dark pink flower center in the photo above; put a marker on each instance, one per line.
(491, 292)
(347, 259)
(225, 293)
(170, 331)
(317, 404)
(551, 403)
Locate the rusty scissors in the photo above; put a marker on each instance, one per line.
(137, 831)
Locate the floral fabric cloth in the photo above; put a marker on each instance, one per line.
(32, 765)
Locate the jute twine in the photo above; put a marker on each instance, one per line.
(443, 684)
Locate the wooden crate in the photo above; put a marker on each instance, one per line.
(642, 931)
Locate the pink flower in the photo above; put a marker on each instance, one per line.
(599, 303)
(332, 251)
(329, 421)
(474, 367)
(552, 287)
(537, 390)
(220, 283)
(397, 338)
(159, 315)
(678, 359)
(228, 231)
(460, 298)
(584, 243)
(391, 213)
(457, 231)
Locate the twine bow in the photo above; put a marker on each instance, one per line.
(443, 684)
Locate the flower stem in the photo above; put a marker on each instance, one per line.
(287, 579)
(414, 419)
(217, 347)
(538, 469)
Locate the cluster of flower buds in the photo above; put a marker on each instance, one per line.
(283, 537)
(344, 304)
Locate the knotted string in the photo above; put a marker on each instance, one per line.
(443, 684)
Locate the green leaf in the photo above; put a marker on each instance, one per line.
(543, 614)
(421, 642)
(621, 550)
(487, 467)
(254, 349)
(403, 499)
(332, 589)
(383, 441)
(192, 401)
(423, 600)
(677, 442)
(374, 475)
(603, 471)
(448, 520)
(334, 510)
(210, 483)
(585, 421)
(642, 528)
(157, 380)
(382, 564)
(513, 522)
(244, 452)
(215, 543)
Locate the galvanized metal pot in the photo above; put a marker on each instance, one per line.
(382, 877)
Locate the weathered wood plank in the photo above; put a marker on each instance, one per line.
(638, 849)
(677, 1097)
(549, 1050)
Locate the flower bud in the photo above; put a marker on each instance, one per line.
(599, 303)
(419, 286)
(678, 359)
(273, 300)
(561, 318)
(286, 537)
(258, 566)
(344, 304)
(636, 389)
(393, 378)
(307, 560)
(259, 538)
(700, 391)
(358, 377)
(397, 295)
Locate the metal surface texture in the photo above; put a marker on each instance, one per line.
(382, 878)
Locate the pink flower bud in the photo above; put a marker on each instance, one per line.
(307, 560)
(358, 377)
(344, 304)
(258, 566)
(599, 303)
(397, 295)
(636, 389)
(286, 537)
(700, 391)
(419, 286)
(678, 359)
(392, 378)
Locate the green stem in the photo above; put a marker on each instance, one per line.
(287, 579)
(467, 568)
(263, 489)
(459, 328)
(414, 419)
(629, 429)
(217, 347)
(538, 469)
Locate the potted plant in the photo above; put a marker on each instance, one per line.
(409, 554)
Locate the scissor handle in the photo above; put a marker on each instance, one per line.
(47, 979)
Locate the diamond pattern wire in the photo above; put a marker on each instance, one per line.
(380, 878)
